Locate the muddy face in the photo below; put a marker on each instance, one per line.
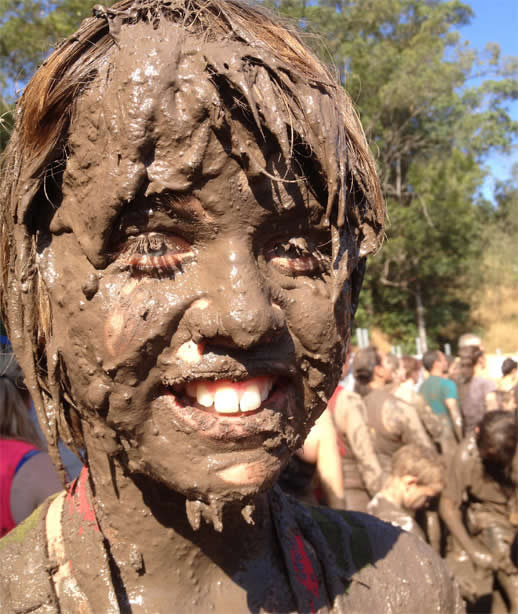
(191, 298)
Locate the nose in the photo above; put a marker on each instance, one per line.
(238, 310)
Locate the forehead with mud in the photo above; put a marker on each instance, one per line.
(167, 110)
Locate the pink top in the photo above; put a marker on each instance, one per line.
(12, 452)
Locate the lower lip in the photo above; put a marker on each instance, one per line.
(269, 417)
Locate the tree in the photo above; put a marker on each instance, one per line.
(498, 288)
(409, 73)
(28, 29)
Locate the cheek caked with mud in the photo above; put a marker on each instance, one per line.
(227, 397)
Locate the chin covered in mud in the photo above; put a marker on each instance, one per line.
(187, 202)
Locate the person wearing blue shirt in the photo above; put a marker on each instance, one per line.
(441, 393)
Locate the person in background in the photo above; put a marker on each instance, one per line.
(507, 387)
(27, 476)
(440, 392)
(416, 478)
(470, 339)
(476, 393)
(453, 367)
(477, 507)
(362, 474)
(392, 423)
(406, 392)
(318, 460)
(395, 365)
(364, 363)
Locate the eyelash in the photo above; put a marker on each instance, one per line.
(157, 254)
(154, 253)
(305, 260)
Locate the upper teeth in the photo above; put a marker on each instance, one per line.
(231, 397)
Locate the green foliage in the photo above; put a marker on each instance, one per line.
(501, 232)
(410, 74)
(28, 30)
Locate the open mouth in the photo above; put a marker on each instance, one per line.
(227, 398)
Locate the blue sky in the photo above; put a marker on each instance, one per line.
(495, 21)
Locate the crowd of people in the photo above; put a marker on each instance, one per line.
(430, 446)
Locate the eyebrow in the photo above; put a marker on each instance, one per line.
(185, 206)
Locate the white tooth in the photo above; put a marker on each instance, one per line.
(203, 396)
(265, 389)
(250, 398)
(226, 400)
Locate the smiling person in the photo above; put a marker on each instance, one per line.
(187, 201)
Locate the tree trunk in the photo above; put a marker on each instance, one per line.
(421, 323)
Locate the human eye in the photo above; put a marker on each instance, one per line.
(297, 256)
(154, 253)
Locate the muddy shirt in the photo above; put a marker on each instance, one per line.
(339, 562)
(390, 512)
(392, 424)
(361, 468)
(488, 501)
(473, 406)
(436, 390)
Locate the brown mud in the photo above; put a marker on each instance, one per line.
(190, 227)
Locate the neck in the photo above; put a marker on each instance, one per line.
(147, 528)
(437, 372)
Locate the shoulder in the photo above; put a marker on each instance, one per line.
(450, 387)
(489, 385)
(426, 384)
(23, 553)
(394, 570)
(378, 398)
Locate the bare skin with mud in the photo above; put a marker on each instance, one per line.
(194, 241)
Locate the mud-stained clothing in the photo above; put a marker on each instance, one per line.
(433, 424)
(436, 426)
(488, 506)
(467, 481)
(341, 562)
(13, 455)
(385, 510)
(436, 391)
(473, 400)
(392, 424)
(362, 473)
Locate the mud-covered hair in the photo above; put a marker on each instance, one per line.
(422, 463)
(508, 366)
(410, 365)
(328, 146)
(497, 437)
(364, 363)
